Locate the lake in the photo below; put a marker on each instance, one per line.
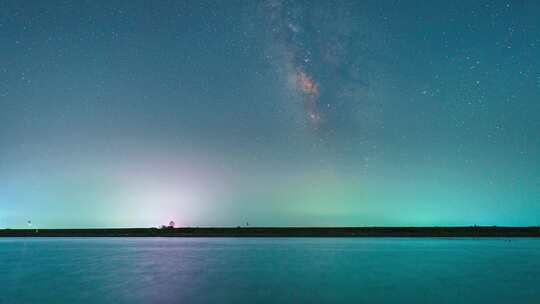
(269, 270)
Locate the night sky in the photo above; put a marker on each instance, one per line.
(276, 113)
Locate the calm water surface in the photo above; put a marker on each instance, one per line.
(273, 270)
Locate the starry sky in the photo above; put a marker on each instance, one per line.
(277, 113)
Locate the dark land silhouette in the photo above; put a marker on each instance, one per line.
(470, 231)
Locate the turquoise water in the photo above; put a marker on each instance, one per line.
(273, 270)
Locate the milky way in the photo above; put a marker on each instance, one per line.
(329, 56)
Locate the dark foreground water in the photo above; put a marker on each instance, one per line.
(276, 270)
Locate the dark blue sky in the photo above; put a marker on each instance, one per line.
(133, 113)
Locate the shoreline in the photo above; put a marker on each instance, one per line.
(474, 231)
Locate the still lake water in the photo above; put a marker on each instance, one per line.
(269, 270)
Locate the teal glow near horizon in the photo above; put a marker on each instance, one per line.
(276, 113)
